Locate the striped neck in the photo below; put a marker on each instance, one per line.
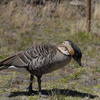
(66, 49)
(68, 46)
(63, 50)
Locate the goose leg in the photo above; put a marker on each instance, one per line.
(39, 84)
(30, 85)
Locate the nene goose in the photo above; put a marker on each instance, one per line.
(44, 58)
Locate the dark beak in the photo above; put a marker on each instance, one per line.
(79, 62)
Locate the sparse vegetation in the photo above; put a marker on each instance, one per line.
(22, 24)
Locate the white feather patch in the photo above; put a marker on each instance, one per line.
(12, 67)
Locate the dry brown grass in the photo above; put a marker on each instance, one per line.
(20, 21)
(97, 12)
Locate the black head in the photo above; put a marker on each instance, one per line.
(77, 53)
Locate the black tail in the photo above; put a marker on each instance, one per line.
(1, 64)
(6, 62)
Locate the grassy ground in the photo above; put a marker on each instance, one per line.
(20, 27)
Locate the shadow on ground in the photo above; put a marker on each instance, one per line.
(65, 92)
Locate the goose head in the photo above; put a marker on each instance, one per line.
(74, 51)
